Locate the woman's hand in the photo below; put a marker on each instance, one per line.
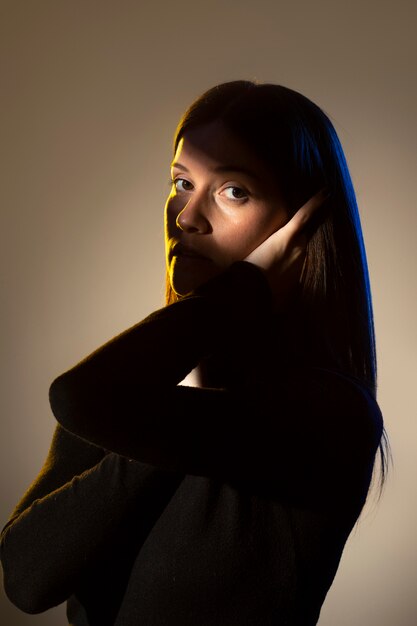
(281, 256)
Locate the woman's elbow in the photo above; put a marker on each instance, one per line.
(21, 596)
(59, 397)
(23, 583)
(65, 402)
(23, 590)
(74, 396)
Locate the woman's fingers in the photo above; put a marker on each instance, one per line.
(305, 214)
(292, 236)
(281, 255)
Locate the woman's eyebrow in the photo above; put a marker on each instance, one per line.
(223, 168)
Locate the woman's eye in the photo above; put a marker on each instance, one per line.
(241, 195)
(234, 192)
(174, 181)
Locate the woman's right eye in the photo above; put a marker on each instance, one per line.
(174, 182)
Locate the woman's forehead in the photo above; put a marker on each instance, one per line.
(215, 147)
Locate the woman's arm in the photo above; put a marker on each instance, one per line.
(70, 514)
(298, 430)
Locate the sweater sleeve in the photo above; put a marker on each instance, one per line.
(73, 511)
(297, 431)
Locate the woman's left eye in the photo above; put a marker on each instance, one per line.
(239, 190)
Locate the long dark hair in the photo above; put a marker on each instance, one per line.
(298, 142)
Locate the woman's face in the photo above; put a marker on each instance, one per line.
(224, 202)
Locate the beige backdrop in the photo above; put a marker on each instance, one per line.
(91, 94)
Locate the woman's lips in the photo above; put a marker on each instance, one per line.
(182, 251)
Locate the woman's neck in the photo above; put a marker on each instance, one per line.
(193, 378)
(206, 374)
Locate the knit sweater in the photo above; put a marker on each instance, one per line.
(166, 505)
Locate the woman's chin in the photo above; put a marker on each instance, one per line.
(184, 282)
(184, 287)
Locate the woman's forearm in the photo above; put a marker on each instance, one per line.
(45, 549)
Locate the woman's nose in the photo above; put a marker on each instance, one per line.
(191, 219)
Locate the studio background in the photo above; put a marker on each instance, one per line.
(91, 94)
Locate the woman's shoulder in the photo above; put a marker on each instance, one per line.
(324, 429)
(345, 385)
(349, 398)
(322, 401)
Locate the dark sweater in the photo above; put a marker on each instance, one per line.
(167, 505)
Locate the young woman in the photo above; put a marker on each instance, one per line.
(210, 462)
